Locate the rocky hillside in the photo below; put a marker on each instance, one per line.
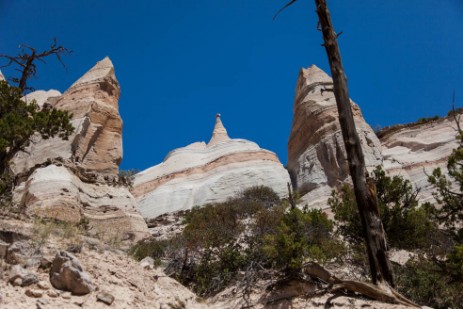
(77, 178)
(203, 173)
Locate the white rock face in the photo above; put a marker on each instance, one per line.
(41, 96)
(317, 160)
(413, 152)
(198, 174)
(76, 178)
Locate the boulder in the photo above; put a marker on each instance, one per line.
(317, 161)
(147, 263)
(19, 276)
(203, 173)
(67, 274)
(106, 298)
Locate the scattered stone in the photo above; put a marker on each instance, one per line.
(18, 252)
(67, 274)
(66, 295)
(34, 293)
(17, 282)
(52, 293)
(18, 276)
(106, 298)
(147, 263)
(42, 303)
(43, 285)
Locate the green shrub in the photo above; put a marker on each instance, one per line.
(19, 120)
(260, 194)
(252, 233)
(301, 235)
(430, 282)
(126, 178)
(407, 226)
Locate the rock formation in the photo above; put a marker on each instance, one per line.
(317, 160)
(203, 173)
(316, 156)
(77, 178)
(414, 151)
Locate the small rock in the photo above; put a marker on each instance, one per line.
(52, 293)
(67, 274)
(19, 276)
(147, 263)
(17, 282)
(42, 303)
(34, 293)
(43, 285)
(106, 298)
(66, 295)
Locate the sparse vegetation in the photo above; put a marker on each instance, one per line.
(69, 233)
(434, 275)
(407, 226)
(252, 234)
(126, 177)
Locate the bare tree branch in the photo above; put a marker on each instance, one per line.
(283, 8)
(27, 58)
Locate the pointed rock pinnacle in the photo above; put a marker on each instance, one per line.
(219, 134)
(102, 69)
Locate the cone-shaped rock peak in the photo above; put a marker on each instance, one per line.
(102, 69)
(220, 133)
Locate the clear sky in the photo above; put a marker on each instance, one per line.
(181, 62)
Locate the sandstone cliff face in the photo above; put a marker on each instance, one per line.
(76, 178)
(95, 148)
(317, 160)
(414, 151)
(203, 173)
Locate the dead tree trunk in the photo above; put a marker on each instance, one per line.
(365, 193)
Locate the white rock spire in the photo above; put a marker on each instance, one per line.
(219, 134)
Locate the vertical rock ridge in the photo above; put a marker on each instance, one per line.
(316, 155)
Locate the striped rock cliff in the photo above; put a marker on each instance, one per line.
(413, 151)
(316, 156)
(203, 173)
(77, 178)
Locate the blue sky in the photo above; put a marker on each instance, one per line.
(181, 62)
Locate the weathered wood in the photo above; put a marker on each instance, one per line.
(380, 267)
